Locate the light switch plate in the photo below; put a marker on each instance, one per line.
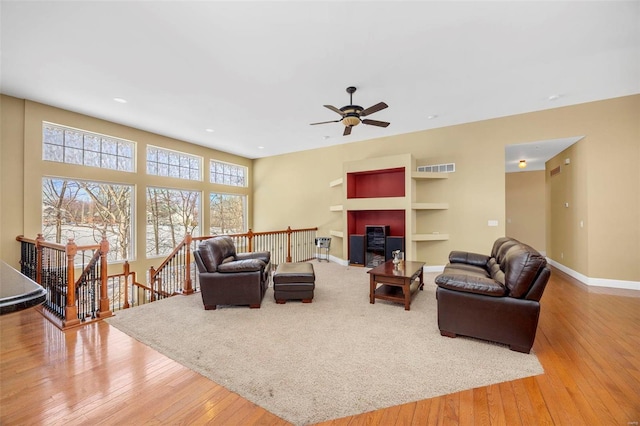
(492, 223)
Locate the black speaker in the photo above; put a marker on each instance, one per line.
(393, 243)
(356, 249)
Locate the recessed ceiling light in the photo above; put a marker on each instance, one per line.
(431, 117)
(553, 97)
(208, 130)
(261, 147)
(120, 100)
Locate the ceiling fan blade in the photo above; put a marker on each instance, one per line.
(332, 108)
(377, 107)
(347, 130)
(375, 123)
(325, 122)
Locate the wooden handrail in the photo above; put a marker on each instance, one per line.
(177, 279)
(68, 314)
(185, 245)
(71, 311)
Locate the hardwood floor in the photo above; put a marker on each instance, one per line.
(587, 342)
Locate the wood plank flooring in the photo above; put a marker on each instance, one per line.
(588, 343)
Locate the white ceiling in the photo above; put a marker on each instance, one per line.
(257, 73)
(535, 153)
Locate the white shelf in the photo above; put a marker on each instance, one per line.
(430, 206)
(429, 237)
(429, 175)
(338, 234)
(336, 208)
(336, 182)
(383, 203)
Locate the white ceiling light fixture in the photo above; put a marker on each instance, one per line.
(120, 100)
(209, 130)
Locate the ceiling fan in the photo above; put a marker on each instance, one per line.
(351, 114)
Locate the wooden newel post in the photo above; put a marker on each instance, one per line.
(125, 270)
(188, 286)
(152, 281)
(288, 244)
(105, 310)
(250, 237)
(39, 263)
(71, 310)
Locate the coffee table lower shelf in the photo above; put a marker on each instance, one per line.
(395, 293)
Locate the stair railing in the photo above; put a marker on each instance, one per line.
(96, 294)
(124, 290)
(69, 302)
(177, 273)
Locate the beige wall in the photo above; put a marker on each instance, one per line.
(24, 168)
(294, 188)
(11, 177)
(525, 197)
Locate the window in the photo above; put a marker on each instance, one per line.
(84, 210)
(171, 214)
(74, 146)
(228, 174)
(164, 162)
(227, 214)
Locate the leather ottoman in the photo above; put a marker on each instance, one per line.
(294, 281)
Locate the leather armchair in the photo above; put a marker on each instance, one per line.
(230, 278)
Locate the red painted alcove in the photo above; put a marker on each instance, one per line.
(376, 183)
(358, 219)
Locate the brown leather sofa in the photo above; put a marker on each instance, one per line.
(493, 297)
(230, 278)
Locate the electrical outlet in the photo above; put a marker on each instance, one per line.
(561, 255)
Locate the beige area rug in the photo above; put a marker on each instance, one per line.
(335, 357)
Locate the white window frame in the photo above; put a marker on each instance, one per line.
(227, 176)
(174, 164)
(88, 149)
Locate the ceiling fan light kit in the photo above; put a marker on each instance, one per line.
(351, 114)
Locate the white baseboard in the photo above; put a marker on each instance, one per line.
(596, 282)
(589, 281)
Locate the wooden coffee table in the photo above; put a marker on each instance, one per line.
(397, 283)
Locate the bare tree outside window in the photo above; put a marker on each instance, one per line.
(171, 214)
(228, 213)
(85, 210)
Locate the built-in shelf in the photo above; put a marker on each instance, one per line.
(429, 237)
(430, 206)
(336, 182)
(385, 183)
(429, 175)
(388, 191)
(388, 203)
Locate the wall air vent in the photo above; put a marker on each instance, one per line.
(555, 171)
(438, 168)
